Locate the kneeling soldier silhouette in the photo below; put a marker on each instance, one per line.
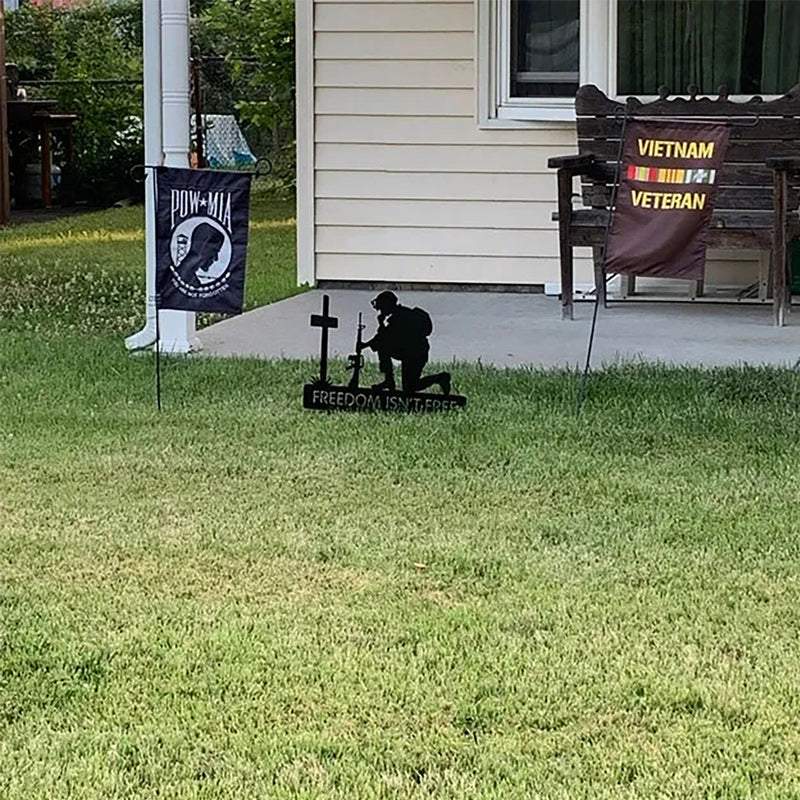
(403, 335)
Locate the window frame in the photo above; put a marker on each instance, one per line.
(598, 65)
(496, 108)
(508, 107)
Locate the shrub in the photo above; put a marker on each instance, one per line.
(91, 57)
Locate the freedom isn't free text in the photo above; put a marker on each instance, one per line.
(389, 402)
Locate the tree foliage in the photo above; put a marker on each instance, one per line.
(93, 39)
(247, 48)
(77, 51)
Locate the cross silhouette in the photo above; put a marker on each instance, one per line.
(324, 321)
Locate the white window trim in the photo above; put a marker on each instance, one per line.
(495, 110)
(598, 61)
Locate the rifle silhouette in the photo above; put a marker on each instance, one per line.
(355, 361)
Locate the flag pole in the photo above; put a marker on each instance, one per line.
(156, 289)
(601, 274)
(5, 181)
(158, 359)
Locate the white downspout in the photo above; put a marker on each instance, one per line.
(153, 156)
(304, 88)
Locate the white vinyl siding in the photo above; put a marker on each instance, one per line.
(424, 213)
(382, 101)
(501, 187)
(409, 183)
(407, 186)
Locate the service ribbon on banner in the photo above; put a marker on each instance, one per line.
(668, 186)
(201, 239)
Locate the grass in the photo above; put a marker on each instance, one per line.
(83, 274)
(240, 599)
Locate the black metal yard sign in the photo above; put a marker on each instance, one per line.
(401, 336)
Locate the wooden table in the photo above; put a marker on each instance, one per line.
(39, 118)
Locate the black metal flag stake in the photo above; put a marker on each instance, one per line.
(158, 359)
(600, 278)
(402, 336)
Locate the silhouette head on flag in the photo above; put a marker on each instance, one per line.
(202, 264)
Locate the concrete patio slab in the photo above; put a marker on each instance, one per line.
(522, 330)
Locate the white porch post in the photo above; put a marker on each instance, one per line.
(153, 156)
(166, 93)
(177, 327)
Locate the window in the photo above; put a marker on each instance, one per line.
(535, 53)
(544, 48)
(533, 56)
(751, 46)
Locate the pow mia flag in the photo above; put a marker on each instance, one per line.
(201, 239)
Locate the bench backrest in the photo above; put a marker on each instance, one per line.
(759, 130)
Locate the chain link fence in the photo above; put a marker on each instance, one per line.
(81, 69)
(237, 124)
(233, 126)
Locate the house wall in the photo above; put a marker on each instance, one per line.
(406, 185)
(398, 182)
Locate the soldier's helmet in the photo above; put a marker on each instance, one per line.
(385, 301)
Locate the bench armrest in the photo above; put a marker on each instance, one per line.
(784, 163)
(577, 165)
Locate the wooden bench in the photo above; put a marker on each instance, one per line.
(759, 189)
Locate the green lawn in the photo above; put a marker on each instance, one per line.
(236, 598)
(84, 274)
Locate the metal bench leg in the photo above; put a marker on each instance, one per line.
(565, 247)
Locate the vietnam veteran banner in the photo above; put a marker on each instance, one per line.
(668, 185)
(201, 239)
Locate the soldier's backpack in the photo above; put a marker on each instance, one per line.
(423, 323)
